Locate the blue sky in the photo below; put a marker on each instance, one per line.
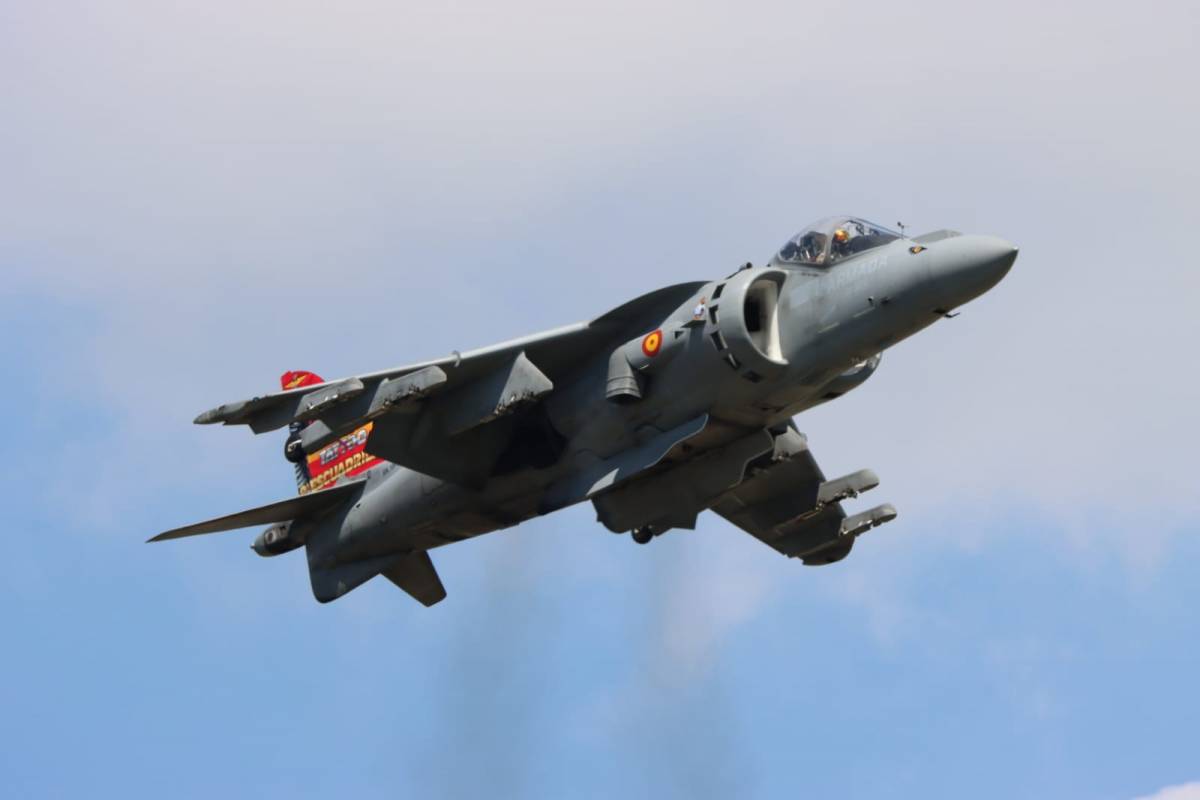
(188, 188)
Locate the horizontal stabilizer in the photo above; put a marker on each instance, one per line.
(294, 508)
(416, 575)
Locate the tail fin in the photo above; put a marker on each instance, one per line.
(342, 458)
(294, 379)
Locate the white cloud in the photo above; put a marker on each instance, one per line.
(1183, 791)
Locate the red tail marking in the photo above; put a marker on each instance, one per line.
(294, 379)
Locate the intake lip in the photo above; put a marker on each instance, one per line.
(749, 325)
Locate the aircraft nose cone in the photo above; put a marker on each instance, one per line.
(977, 264)
(995, 258)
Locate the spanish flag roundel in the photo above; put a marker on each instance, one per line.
(652, 343)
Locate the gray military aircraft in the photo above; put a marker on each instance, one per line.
(678, 401)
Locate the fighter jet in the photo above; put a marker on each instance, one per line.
(674, 403)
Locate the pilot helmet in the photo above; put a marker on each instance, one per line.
(841, 236)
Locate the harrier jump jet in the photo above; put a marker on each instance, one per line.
(674, 403)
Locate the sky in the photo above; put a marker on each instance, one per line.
(197, 196)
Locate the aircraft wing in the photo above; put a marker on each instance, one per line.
(292, 508)
(786, 503)
(272, 411)
(433, 416)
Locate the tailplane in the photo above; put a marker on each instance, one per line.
(310, 505)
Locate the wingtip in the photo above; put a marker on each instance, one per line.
(167, 536)
(209, 417)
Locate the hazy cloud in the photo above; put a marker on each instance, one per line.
(1183, 791)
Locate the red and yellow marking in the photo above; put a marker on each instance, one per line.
(652, 343)
(344, 457)
(293, 379)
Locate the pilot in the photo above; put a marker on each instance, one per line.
(841, 242)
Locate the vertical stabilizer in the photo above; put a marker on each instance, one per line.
(341, 459)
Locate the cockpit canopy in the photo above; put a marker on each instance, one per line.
(832, 239)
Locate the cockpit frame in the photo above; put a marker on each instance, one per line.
(832, 239)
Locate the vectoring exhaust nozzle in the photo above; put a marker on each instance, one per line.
(630, 362)
(624, 385)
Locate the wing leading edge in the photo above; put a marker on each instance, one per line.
(551, 351)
